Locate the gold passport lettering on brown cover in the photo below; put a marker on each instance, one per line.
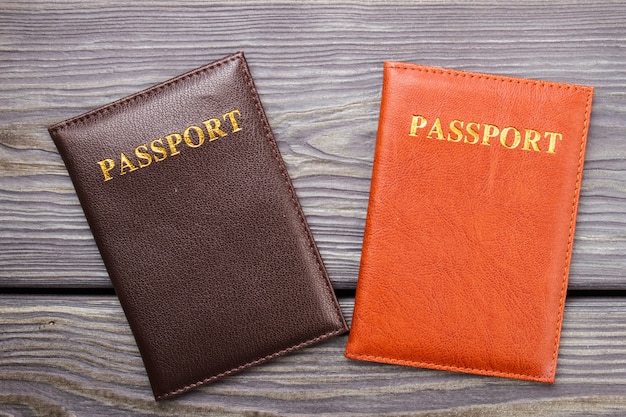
(204, 239)
(157, 150)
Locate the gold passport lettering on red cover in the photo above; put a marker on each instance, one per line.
(470, 223)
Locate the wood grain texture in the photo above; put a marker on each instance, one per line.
(318, 67)
(76, 356)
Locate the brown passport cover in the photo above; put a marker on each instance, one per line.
(199, 227)
(470, 223)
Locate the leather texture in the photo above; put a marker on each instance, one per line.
(208, 248)
(467, 246)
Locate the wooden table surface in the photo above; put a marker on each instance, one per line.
(65, 346)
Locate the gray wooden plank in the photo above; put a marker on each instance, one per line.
(76, 356)
(318, 67)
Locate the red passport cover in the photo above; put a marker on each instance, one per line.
(470, 223)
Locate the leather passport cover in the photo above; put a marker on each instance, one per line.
(470, 222)
(199, 227)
